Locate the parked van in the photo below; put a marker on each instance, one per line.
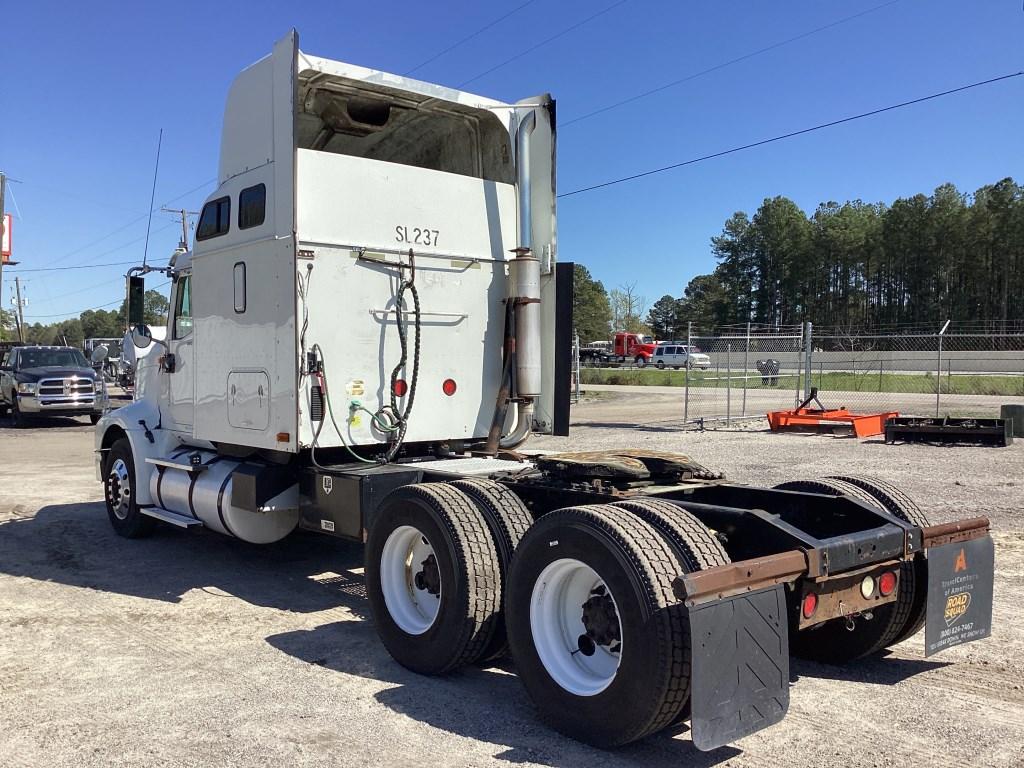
(678, 356)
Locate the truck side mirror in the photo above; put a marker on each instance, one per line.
(142, 336)
(136, 301)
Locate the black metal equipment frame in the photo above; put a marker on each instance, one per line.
(949, 430)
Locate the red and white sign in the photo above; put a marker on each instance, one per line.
(6, 248)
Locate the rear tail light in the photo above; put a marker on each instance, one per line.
(867, 587)
(400, 387)
(810, 605)
(887, 583)
(449, 386)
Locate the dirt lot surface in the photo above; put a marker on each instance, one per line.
(191, 649)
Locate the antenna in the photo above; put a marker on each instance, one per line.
(152, 196)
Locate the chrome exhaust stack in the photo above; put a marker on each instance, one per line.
(522, 317)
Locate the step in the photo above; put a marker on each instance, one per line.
(183, 464)
(182, 521)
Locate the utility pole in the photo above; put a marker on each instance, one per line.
(21, 313)
(184, 223)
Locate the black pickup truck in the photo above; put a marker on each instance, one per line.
(49, 381)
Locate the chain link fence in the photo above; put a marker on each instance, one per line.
(742, 372)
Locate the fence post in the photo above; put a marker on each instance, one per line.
(801, 350)
(686, 374)
(746, 369)
(938, 372)
(576, 364)
(728, 384)
(808, 342)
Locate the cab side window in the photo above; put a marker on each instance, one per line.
(183, 308)
(215, 220)
(6, 361)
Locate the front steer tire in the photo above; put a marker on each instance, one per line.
(443, 581)
(17, 417)
(605, 702)
(119, 493)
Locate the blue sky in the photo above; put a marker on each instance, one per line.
(86, 88)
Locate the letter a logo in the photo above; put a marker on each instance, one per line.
(961, 562)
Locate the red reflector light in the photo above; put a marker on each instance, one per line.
(887, 583)
(810, 604)
(449, 386)
(400, 387)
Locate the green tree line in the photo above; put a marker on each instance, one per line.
(921, 260)
(90, 324)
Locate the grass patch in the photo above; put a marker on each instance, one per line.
(837, 381)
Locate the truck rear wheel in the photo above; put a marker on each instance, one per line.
(508, 520)
(832, 642)
(913, 576)
(694, 545)
(596, 633)
(119, 493)
(432, 578)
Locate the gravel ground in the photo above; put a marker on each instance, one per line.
(190, 649)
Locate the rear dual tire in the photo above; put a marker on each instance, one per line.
(832, 642)
(640, 639)
(432, 578)
(599, 639)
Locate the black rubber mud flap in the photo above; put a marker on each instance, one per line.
(960, 577)
(740, 680)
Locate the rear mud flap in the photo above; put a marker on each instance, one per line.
(960, 577)
(740, 678)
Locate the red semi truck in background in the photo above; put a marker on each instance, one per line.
(624, 348)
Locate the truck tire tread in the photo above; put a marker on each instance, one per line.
(508, 520)
(898, 504)
(654, 566)
(476, 561)
(872, 637)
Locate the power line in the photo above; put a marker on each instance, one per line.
(790, 135)
(97, 256)
(83, 266)
(533, 48)
(133, 221)
(725, 64)
(466, 39)
(101, 306)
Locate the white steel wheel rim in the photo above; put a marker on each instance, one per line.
(556, 622)
(119, 489)
(413, 606)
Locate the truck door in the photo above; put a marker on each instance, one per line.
(181, 381)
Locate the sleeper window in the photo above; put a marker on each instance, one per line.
(252, 206)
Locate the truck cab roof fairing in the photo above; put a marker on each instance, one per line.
(257, 129)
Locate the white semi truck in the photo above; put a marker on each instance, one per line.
(372, 317)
